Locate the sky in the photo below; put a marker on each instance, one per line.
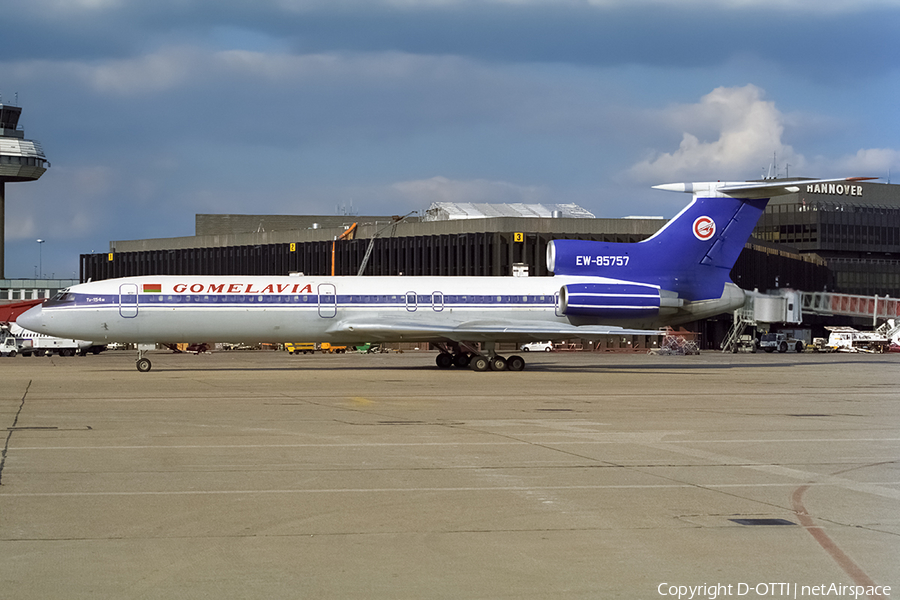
(153, 111)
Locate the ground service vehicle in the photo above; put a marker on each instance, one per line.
(848, 339)
(29, 343)
(8, 346)
(300, 347)
(770, 342)
(327, 348)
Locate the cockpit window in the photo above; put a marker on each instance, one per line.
(61, 297)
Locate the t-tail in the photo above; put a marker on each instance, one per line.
(684, 267)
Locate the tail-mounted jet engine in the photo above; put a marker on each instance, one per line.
(619, 300)
(609, 300)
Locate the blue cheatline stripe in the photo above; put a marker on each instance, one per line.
(93, 300)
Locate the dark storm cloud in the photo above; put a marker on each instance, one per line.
(813, 43)
(650, 36)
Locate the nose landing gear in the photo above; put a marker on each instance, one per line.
(143, 364)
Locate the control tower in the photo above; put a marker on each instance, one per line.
(20, 160)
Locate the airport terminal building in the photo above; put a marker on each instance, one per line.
(855, 228)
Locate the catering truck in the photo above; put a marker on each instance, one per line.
(29, 343)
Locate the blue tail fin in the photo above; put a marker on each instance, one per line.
(693, 254)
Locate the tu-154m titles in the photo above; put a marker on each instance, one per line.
(678, 275)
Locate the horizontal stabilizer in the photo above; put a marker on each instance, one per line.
(751, 189)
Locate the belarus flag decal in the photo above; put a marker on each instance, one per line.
(704, 228)
(153, 288)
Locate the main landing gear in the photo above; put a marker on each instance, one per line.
(462, 355)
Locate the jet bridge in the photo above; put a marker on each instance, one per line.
(879, 308)
(789, 306)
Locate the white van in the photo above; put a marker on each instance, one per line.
(537, 347)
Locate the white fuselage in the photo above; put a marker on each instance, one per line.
(337, 309)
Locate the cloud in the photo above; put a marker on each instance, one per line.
(876, 162)
(748, 136)
(809, 33)
(77, 6)
(148, 73)
(192, 67)
(749, 131)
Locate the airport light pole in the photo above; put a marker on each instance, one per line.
(40, 259)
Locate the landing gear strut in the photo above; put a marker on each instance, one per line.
(143, 364)
(446, 360)
(462, 360)
(454, 355)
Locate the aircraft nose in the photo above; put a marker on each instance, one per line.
(32, 319)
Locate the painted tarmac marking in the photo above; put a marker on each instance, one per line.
(781, 471)
(844, 562)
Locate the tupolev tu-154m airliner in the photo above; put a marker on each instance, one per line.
(678, 275)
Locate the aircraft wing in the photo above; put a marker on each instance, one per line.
(386, 329)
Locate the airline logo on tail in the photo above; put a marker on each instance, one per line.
(704, 228)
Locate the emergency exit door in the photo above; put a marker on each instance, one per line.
(327, 300)
(128, 300)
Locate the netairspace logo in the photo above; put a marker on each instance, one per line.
(772, 590)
